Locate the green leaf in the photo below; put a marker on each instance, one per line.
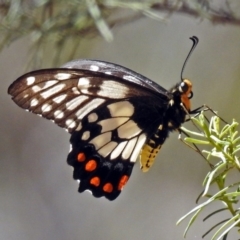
(193, 218)
(235, 221)
(197, 141)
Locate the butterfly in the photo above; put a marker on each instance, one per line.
(112, 113)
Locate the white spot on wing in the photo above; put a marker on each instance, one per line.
(94, 68)
(105, 150)
(107, 88)
(52, 90)
(49, 83)
(128, 130)
(118, 150)
(62, 76)
(46, 107)
(75, 90)
(58, 114)
(75, 102)
(79, 127)
(86, 135)
(70, 123)
(118, 109)
(60, 98)
(92, 117)
(129, 148)
(141, 140)
(89, 107)
(34, 102)
(30, 80)
(171, 102)
(36, 89)
(83, 82)
(108, 73)
(112, 123)
(101, 140)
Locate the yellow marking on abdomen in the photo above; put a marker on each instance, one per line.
(147, 156)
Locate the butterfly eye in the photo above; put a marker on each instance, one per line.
(183, 88)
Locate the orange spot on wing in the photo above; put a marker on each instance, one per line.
(91, 165)
(95, 181)
(81, 157)
(122, 182)
(108, 187)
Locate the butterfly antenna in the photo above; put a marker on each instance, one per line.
(195, 42)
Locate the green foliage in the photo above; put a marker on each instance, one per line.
(224, 144)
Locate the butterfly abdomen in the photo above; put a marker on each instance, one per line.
(173, 116)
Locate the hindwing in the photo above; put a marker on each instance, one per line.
(106, 146)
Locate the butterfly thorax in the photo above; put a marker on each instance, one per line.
(176, 111)
(174, 116)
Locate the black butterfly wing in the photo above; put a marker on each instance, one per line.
(109, 118)
(67, 95)
(117, 71)
(106, 147)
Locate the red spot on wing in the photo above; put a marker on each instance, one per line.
(108, 187)
(95, 181)
(91, 165)
(122, 182)
(81, 157)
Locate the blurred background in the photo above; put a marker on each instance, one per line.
(39, 198)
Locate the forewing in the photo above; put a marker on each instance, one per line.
(67, 95)
(117, 71)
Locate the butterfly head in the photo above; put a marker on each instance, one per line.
(185, 87)
(185, 90)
